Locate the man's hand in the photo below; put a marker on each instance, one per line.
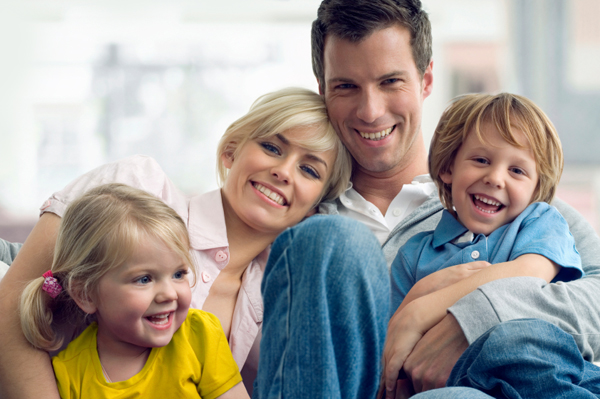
(431, 361)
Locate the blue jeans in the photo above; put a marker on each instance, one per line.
(525, 358)
(326, 292)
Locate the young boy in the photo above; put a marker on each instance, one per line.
(493, 158)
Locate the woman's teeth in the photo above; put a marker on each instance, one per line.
(376, 136)
(271, 194)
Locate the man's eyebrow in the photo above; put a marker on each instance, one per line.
(382, 77)
(315, 158)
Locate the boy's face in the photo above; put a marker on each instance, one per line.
(492, 183)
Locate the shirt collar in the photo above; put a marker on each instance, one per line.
(447, 230)
(206, 223)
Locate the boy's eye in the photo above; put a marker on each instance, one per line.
(143, 280)
(517, 171)
(270, 147)
(311, 171)
(180, 274)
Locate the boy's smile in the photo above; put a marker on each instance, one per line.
(492, 182)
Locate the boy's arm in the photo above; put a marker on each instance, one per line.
(26, 372)
(414, 319)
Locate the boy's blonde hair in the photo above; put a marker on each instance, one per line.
(505, 112)
(286, 109)
(99, 232)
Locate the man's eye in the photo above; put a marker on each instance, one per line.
(345, 86)
(390, 81)
(270, 147)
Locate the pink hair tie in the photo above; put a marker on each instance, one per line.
(51, 285)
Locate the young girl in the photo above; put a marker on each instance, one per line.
(496, 161)
(276, 163)
(122, 257)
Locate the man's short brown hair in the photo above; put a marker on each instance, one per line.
(354, 20)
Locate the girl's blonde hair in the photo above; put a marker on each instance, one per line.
(282, 110)
(505, 112)
(98, 233)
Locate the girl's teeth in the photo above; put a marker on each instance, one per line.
(159, 319)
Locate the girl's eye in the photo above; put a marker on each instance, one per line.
(144, 280)
(180, 274)
(481, 160)
(270, 147)
(311, 171)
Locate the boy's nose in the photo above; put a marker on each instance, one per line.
(494, 177)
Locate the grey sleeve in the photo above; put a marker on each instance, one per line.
(573, 306)
(8, 251)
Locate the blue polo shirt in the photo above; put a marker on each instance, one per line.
(539, 229)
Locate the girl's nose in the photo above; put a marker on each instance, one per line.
(166, 293)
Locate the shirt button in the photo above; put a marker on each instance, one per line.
(205, 277)
(221, 256)
(475, 254)
(373, 210)
(396, 212)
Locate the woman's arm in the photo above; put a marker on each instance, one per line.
(412, 321)
(26, 372)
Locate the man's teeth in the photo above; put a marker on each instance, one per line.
(376, 136)
(159, 319)
(487, 200)
(271, 194)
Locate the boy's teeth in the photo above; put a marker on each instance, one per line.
(376, 136)
(487, 200)
(271, 194)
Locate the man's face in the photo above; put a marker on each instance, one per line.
(374, 95)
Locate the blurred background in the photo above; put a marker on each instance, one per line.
(87, 82)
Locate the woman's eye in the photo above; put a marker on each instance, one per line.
(144, 280)
(311, 171)
(270, 147)
(180, 275)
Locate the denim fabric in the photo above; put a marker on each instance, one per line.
(523, 359)
(326, 297)
(452, 393)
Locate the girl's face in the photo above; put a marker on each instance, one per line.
(143, 302)
(492, 183)
(273, 182)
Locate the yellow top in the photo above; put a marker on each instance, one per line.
(197, 361)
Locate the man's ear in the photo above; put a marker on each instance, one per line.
(427, 83)
(321, 88)
(85, 303)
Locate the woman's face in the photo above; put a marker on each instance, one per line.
(273, 182)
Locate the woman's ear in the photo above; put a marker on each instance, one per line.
(227, 155)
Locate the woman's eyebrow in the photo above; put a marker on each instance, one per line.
(315, 158)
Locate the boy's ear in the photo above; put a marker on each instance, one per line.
(84, 302)
(446, 177)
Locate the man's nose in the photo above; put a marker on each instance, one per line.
(371, 105)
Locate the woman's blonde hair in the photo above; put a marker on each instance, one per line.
(282, 110)
(98, 233)
(505, 112)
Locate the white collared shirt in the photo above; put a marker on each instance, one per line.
(204, 217)
(412, 195)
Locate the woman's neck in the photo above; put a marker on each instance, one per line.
(245, 243)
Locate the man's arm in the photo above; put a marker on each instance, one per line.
(26, 372)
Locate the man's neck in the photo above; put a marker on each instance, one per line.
(380, 188)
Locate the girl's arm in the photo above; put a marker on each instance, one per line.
(238, 391)
(412, 320)
(26, 372)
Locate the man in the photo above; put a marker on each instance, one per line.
(372, 60)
